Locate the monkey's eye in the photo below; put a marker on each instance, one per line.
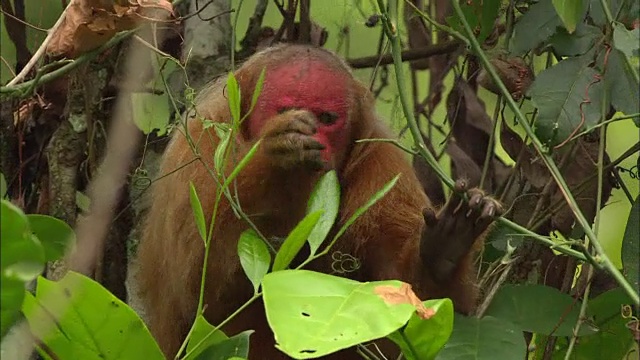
(327, 117)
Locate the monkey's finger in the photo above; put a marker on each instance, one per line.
(455, 202)
(430, 218)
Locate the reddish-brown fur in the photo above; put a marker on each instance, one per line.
(385, 239)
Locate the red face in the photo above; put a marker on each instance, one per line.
(306, 84)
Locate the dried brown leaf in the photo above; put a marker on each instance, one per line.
(404, 295)
(89, 24)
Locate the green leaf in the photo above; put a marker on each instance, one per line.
(198, 213)
(219, 154)
(295, 240)
(534, 27)
(570, 12)
(480, 16)
(202, 328)
(631, 246)
(150, 112)
(374, 199)
(257, 90)
(11, 299)
(254, 257)
(3, 187)
(560, 94)
(625, 90)
(242, 164)
(22, 256)
(54, 234)
(423, 339)
(578, 43)
(539, 309)
(21, 261)
(483, 339)
(77, 318)
(233, 97)
(325, 196)
(235, 346)
(626, 41)
(314, 314)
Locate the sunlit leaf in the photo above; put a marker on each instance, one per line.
(295, 240)
(325, 196)
(254, 257)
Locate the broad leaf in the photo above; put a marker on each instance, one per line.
(314, 314)
(627, 41)
(325, 196)
(422, 339)
(198, 213)
(578, 43)
(568, 95)
(483, 339)
(77, 318)
(54, 234)
(21, 254)
(295, 240)
(631, 246)
(236, 346)
(539, 309)
(570, 12)
(201, 330)
(625, 90)
(254, 257)
(534, 27)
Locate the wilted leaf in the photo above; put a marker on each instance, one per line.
(89, 24)
(403, 295)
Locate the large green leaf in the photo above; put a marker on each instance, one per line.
(201, 329)
(578, 43)
(488, 338)
(568, 95)
(77, 318)
(150, 112)
(254, 257)
(539, 309)
(422, 339)
(326, 197)
(295, 241)
(570, 12)
(627, 41)
(236, 346)
(631, 246)
(54, 234)
(21, 260)
(613, 341)
(314, 314)
(623, 87)
(534, 27)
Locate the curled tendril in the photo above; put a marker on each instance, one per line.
(344, 263)
(140, 180)
(633, 171)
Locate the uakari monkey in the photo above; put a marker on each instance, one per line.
(309, 115)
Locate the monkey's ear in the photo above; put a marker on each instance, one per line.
(364, 115)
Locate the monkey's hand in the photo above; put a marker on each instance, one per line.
(449, 235)
(288, 139)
